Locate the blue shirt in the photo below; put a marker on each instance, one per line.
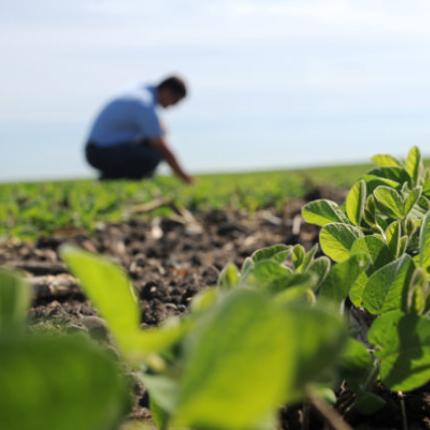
(130, 117)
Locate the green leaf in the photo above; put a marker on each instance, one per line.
(58, 383)
(278, 253)
(382, 222)
(425, 243)
(229, 277)
(225, 355)
(373, 181)
(342, 276)
(424, 205)
(298, 293)
(108, 288)
(357, 289)
(392, 176)
(369, 214)
(379, 254)
(247, 265)
(403, 244)
(268, 275)
(390, 202)
(386, 160)
(319, 340)
(369, 403)
(320, 268)
(164, 390)
(375, 248)
(414, 164)
(204, 299)
(393, 234)
(298, 255)
(426, 184)
(387, 288)
(322, 212)
(112, 294)
(412, 225)
(298, 279)
(309, 258)
(355, 364)
(355, 202)
(402, 344)
(337, 239)
(159, 415)
(15, 297)
(412, 199)
(418, 292)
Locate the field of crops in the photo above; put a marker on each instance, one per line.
(277, 300)
(28, 210)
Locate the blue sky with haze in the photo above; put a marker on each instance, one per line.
(273, 83)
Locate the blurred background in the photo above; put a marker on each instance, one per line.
(274, 83)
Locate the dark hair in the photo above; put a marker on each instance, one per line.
(174, 84)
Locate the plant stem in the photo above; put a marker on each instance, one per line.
(403, 410)
(370, 380)
(305, 415)
(371, 377)
(329, 413)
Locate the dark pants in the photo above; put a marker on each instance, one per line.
(123, 161)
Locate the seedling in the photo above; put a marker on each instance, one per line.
(242, 338)
(386, 218)
(51, 381)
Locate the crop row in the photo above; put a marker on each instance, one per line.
(29, 210)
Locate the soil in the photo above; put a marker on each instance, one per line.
(169, 260)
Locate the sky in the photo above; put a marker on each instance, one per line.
(273, 83)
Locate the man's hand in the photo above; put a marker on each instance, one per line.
(188, 179)
(171, 160)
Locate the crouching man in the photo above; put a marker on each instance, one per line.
(127, 140)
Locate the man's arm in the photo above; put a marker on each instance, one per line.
(171, 159)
